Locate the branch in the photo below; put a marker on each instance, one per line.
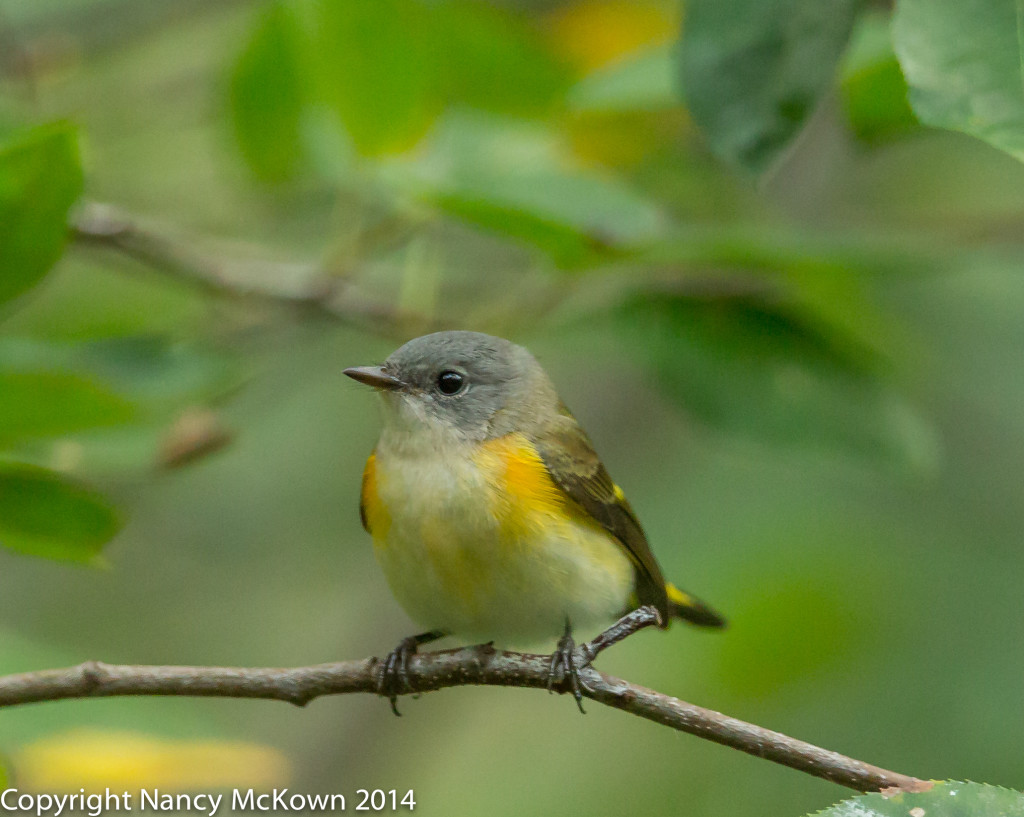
(237, 269)
(480, 665)
(241, 269)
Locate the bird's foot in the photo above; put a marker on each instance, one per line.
(567, 660)
(566, 665)
(393, 672)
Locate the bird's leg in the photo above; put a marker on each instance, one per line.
(393, 671)
(564, 666)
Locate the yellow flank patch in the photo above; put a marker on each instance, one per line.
(524, 497)
(375, 516)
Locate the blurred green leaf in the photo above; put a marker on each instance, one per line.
(763, 368)
(598, 206)
(386, 69)
(567, 246)
(494, 61)
(267, 95)
(145, 368)
(753, 71)
(820, 273)
(147, 380)
(644, 82)
(40, 178)
(96, 299)
(519, 181)
(44, 514)
(377, 68)
(873, 89)
(46, 404)
(962, 59)
(945, 799)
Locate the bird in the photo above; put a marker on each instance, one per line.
(492, 516)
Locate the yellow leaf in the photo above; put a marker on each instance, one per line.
(596, 32)
(95, 760)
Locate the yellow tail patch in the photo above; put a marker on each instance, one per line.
(677, 596)
(690, 608)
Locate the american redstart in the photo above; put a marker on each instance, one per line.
(491, 515)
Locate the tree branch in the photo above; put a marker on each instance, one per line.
(245, 270)
(230, 268)
(480, 665)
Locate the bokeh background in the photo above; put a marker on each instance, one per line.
(808, 382)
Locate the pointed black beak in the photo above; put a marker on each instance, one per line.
(375, 376)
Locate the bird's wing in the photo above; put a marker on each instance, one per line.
(574, 466)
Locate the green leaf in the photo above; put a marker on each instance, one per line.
(873, 90)
(962, 59)
(45, 514)
(568, 247)
(46, 404)
(644, 82)
(754, 70)
(945, 799)
(40, 178)
(774, 371)
(383, 69)
(267, 95)
(145, 368)
(378, 69)
(517, 180)
(494, 61)
(145, 385)
(366, 63)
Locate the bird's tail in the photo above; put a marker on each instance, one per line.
(690, 608)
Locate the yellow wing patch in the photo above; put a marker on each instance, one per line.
(372, 512)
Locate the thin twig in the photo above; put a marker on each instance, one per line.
(481, 665)
(236, 269)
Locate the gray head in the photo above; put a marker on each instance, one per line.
(463, 384)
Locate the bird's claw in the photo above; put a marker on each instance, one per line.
(393, 672)
(565, 668)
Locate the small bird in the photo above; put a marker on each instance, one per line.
(492, 517)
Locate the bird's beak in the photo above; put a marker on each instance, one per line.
(375, 376)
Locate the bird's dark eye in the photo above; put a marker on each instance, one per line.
(449, 382)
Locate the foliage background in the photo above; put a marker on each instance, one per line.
(808, 382)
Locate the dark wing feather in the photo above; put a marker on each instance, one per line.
(575, 467)
(369, 478)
